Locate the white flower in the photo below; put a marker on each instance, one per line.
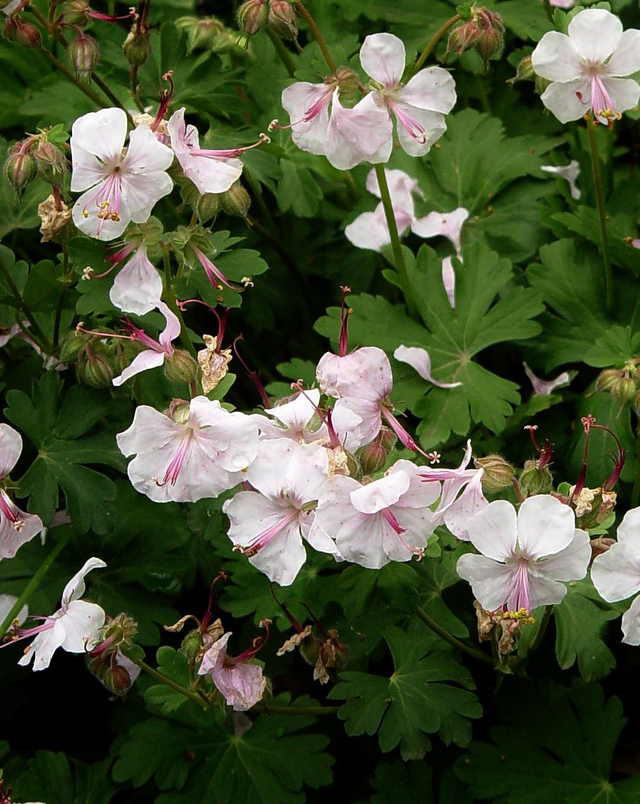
(386, 520)
(588, 66)
(420, 360)
(157, 351)
(293, 418)
(121, 186)
(199, 453)
(569, 172)
(524, 556)
(546, 387)
(75, 627)
(419, 107)
(616, 574)
(269, 524)
(322, 125)
(138, 286)
(449, 225)
(210, 171)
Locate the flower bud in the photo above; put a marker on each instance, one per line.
(22, 33)
(236, 201)
(200, 32)
(623, 391)
(372, 458)
(95, 370)
(192, 645)
(347, 82)
(76, 12)
(116, 679)
(207, 207)
(541, 84)
(83, 54)
(70, 347)
(490, 44)
(535, 481)
(181, 367)
(51, 163)
(607, 379)
(20, 168)
(498, 473)
(462, 38)
(252, 16)
(601, 545)
(524, 71)
(282, 19)
(137, 47)
(387, 438)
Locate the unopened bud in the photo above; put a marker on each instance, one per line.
(83, 54)
(95, 370)
(75, 12)
(137, 47)
(192, 645)
(498, 474)
(22, 33)
(607, 379)
(372, 458)
(236, 201)
(347, 82)
(181, 367)
(117, 680)
(541, 84)
(70, 347)
(51, 163)
(463, 38)
(200, 31)
(387, 438)
(490, 44)
(535, 481)
(20, 169)
(252, 16)
(524, 71)
(601, 545)
(624, 391)
(282, 19)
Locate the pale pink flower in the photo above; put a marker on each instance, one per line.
(562, 3)
(157, 351)
(294, 419)
(449, 225)
(569, 173)
(588, 66)
(370, 230)
(240, 681)
(16, 526)
(321, 125)
(546, 387)
(197, 452)
(525, 555)
(75, 627)
(211, 171)
(616, 574)
(373, 524)
(269, 524)
(121, 185)
(138, 286)
(462, 496)
(419, 107)
(420, 360)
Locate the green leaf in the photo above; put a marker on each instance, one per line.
(172, 664)
(615, 348)
(403, 708)
(581, 621)
(554, 747)
(298, 189)
(50, 777)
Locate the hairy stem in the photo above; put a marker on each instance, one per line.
(34, 583)
(296, 710)
(431, 44)
(398, 257)
(602, 213)
(441, 632)
(317, 36)
(169, 683)
(283, 53)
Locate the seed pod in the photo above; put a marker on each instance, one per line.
(137, 47)
(282, 19)
(624, 391)
(236, 201)
(535, 481)
(26, 34)
(181, 367)
(71, 346)
(95, 370)
(372, 458)
(76, 12)
(83, 54)
(192, 645)
(607, 379)
(524, 71)
(498, 473)
(252, 16)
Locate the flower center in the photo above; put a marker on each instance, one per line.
(413, 128)
(517, 596)
(601, 102)
(175, 465)
(10, 512)
(262, 539)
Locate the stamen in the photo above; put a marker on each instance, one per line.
(214, 273)
(262, 539)
(412, 127)
(399, 530)
(175, 465)
(517, 596)
(229, 153)
(10, 511)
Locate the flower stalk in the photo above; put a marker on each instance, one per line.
(317, 36)
(456, 643)
(602, 212)
(431, 45)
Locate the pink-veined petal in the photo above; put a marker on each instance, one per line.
(172, 328)
(569, 101)
(16, 529)
(10, 448)
(307, 107)
(86, 169)
(383, 57)
(355, 135)
(85, 215)
(545, 526)
(143, 361)
(138, 286)
(431, 126)
(623, 93)
(595, 34)
(43, 647)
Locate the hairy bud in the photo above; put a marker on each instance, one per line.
(236, 201)
(181, 367)
(624, 391)
(22, 33)
(20, 168)
(201, 32)
(95, 370)
(83, 54)
(51, 163)
(137, 46)
(372, 458)
(76, 12)
(535, 481)
(282, 19)
(498, 473)
(71, 346)
(607, 379)
(192, 645)
(252, 16)
(524, 71)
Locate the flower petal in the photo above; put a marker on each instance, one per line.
(446, 224)
(489, 579)
(86, 169)
(101, 133)
(140, 193)
(380, 494)
(172, 328)
(369, 230)
(433, 126)
(355, 135)
(493, 531)
(82, 622)
(10, 448)
(138, 286)
(383, 57)
(449, 280)
(85, 215)
(626, 57)
(623, 92)
(631, 624)
(43, 647)
(616, 573)
(556, 59)
(546, 387)
(303, 100)
(544, 592)
(569, 101)
(76, 586)
(433, 89)
(545, 526)
(13, 534)
(420, 360)
(143, 361)
(145, 154)
(570, 564)
(595, 34)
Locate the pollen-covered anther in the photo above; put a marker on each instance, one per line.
(86, 273)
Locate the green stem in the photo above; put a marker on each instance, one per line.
(257, 193)
(170, 299)
(431, 44)
(283, 53)
(441, 632)
(169, 683)
(74, 79)
(297, 710)
(35, 327)
(635, 494)
(548, 10)
(114, 98)
(34, 583)
(317, 36)
(398, 257)
(542, 628)
(602, 213)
